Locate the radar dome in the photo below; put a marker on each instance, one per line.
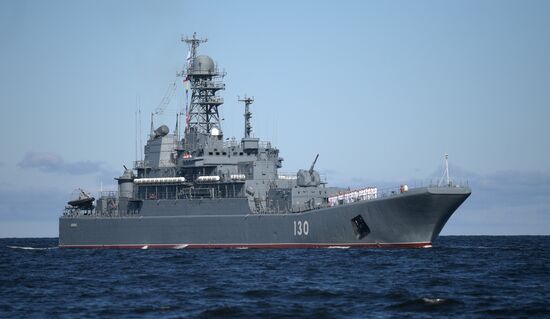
(203, 64)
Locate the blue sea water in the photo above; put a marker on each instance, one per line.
(462, 277)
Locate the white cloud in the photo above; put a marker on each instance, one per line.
(52, 163)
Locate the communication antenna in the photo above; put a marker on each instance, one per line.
(446, 172)
(136, 131)
(140, 131)
(193, 44)
(247, 115)
(151, 134)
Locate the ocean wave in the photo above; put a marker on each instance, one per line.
(293, 283)
(32, 248)
(424, 304)
(434, 301)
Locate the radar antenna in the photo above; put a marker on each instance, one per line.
(247, 115)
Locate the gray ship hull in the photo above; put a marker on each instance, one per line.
(411, 219)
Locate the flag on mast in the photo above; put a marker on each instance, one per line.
(188, 59)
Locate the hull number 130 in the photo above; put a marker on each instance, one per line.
(301, 228)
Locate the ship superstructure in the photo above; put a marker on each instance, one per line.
(206, 191)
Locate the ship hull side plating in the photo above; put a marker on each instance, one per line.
(413, 219)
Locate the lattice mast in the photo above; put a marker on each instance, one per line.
(202, 115)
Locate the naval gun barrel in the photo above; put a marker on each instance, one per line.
(313, 164)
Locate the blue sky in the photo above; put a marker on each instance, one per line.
(381, 89)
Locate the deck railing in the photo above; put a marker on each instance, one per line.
(385, 192)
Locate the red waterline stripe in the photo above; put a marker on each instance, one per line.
(254, 246)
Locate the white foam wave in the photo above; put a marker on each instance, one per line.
(32, 248)
(433, 301)
(338, 247)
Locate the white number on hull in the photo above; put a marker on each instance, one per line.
(301, 228)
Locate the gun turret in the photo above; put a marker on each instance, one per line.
(310, 177)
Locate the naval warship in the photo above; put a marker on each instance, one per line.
(199, 190)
